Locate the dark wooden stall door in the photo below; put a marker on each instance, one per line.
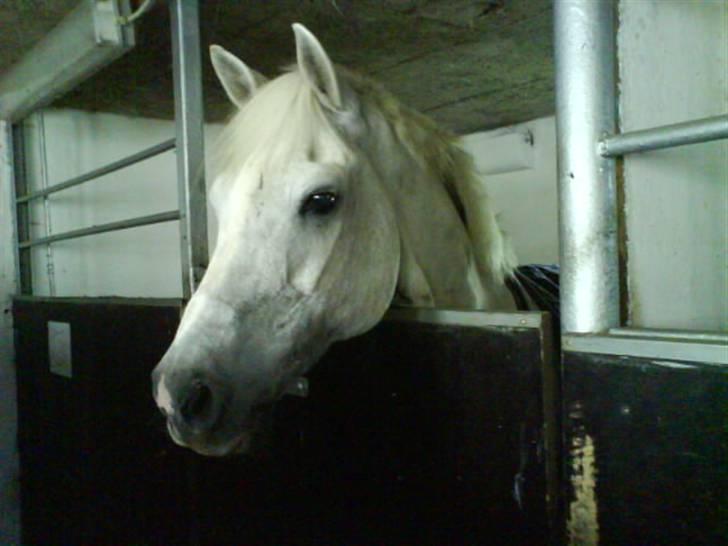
(416, 433)
(652, 435)
(96, 467)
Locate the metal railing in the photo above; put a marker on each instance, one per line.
(188, 143)
(588, 143)
(101, 171)
(138, 221)
(667, 136)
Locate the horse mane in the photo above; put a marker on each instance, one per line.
(284, 118)
(441, 152)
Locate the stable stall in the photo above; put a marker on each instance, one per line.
(436, 427)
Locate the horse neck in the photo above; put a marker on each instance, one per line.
(453, 253)
(494, 256)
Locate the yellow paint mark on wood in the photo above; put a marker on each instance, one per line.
(583, 526)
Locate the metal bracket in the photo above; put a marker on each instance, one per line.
(298, 388)
(59, 348)
(87, 39)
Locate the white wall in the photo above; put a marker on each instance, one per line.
(9, 505)
(136, 262)
(525, 199)
(673, 68)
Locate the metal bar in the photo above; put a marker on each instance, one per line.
(102, 300)
(43, 159)
(667, 136)
(585, 110)
(187, 72)
(104, 228)
(101, 171)
(477, 319)
(660, 348)
(688, 335)
(87, 39)
(9, 172)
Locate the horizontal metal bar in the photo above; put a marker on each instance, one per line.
(85, 40)
(103, 300)
(478, 319)
(101, 171)
(668, 136)
(104, 228)
(689, 335)
(659, 348)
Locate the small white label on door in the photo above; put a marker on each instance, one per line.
(59, 348)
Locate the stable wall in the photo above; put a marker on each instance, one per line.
(61, 144)
(524, 194)
(673, 67)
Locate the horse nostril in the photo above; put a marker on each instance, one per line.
(198, 408)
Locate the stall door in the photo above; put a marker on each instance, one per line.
(434, 428)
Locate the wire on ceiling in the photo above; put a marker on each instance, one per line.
(141, 10)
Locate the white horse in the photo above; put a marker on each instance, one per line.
(333, 200)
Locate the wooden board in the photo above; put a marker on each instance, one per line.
(415, 433)
(95, 466)
(647, 451)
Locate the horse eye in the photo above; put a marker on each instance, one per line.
(319, 203)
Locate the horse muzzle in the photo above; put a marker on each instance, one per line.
(195, 406)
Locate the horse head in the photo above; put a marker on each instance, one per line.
(329, 196)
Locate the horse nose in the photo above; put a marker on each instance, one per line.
(199, 406)
(191, 401)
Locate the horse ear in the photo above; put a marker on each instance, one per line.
(239, 81)
(317, 68)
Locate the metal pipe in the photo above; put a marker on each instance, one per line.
(9, 172)
(187, 73)
(101, 171)
(585, 111)
(661, 350)
(688, 335)
(43, 160)
(104, 228)
(667, 136)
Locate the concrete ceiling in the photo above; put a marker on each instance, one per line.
(471, 65)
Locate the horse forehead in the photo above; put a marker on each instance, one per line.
(284, 176)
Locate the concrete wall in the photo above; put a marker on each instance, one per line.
(524, 196)
(674, 67)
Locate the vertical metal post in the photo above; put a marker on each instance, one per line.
(7, 172)
(43, 158)
(585, 113)
(187, 71)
